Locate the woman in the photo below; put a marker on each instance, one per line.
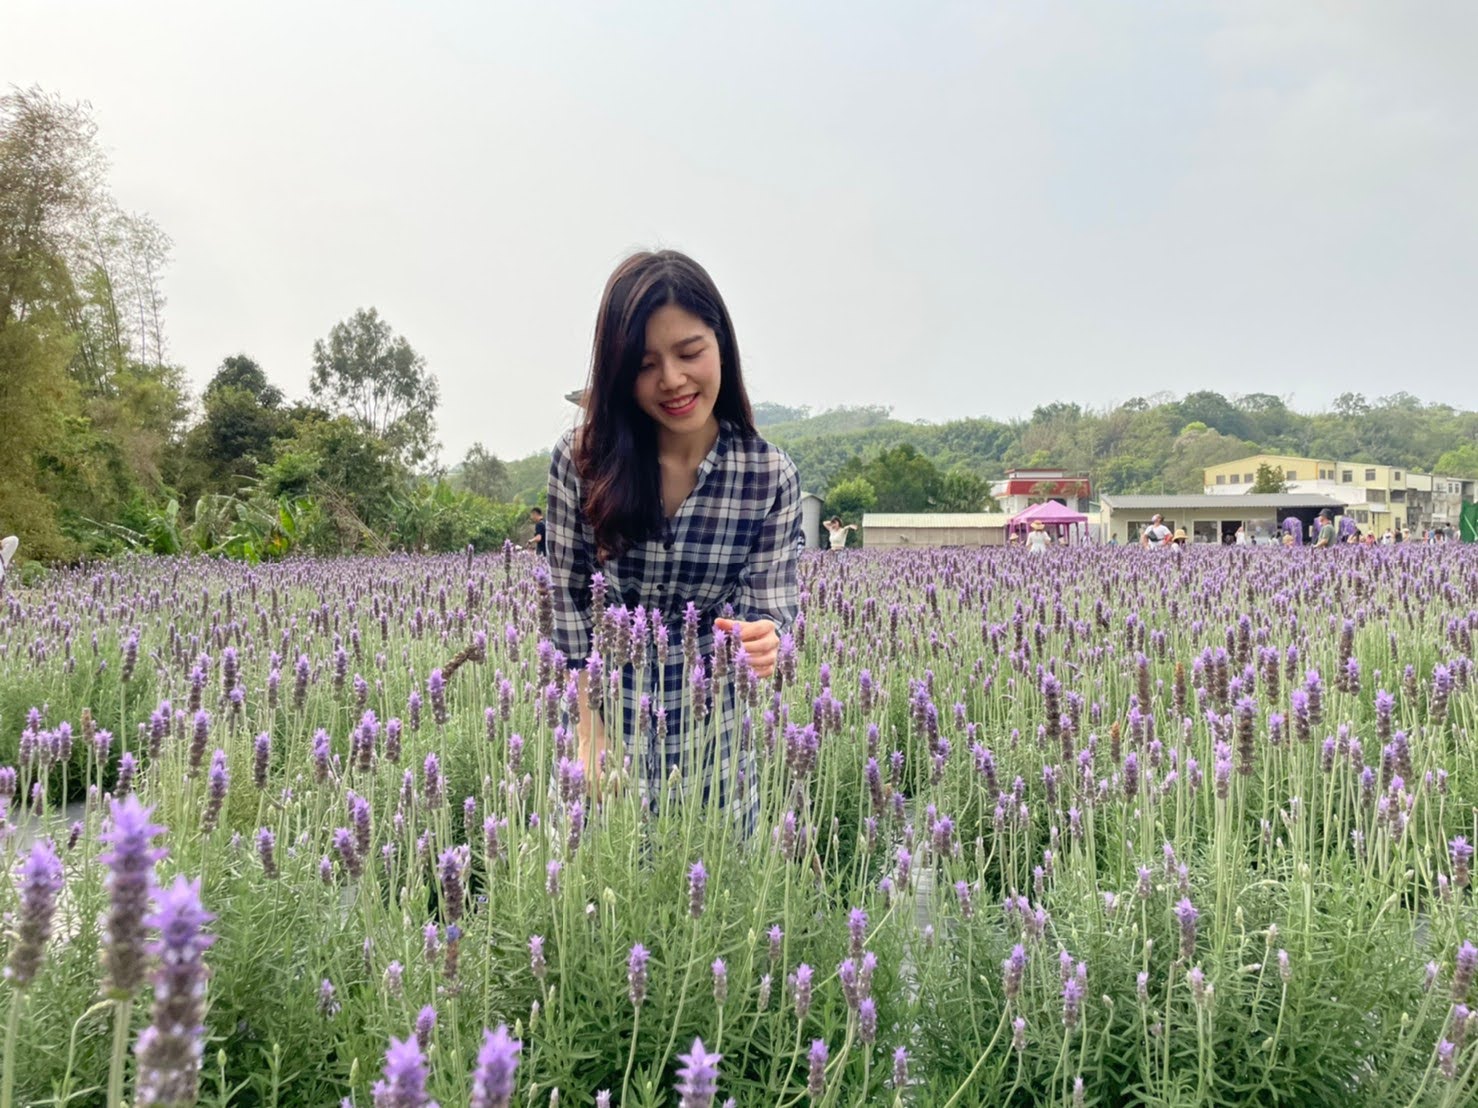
(1036, 539)
(838, 533)
(670, 494)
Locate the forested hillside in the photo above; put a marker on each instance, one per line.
(1153, 444)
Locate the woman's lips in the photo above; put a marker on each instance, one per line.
(681, 407)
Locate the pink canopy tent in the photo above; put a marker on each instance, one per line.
(1057, 518)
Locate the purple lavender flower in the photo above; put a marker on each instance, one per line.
(636, 975)
(261, 759)
(425, 1024)
(1072, 1002)
(900, 1067)
(1463, 971)
(1447, 1059)
(220, 781)
(1187, 915)
(404, 1085)
(348, 852)
(452, 865)
(492, 1080)
(816, 1074)
(857, 930)
(697, 886)
(40, 883)
(537, 965)
(169, 1050)
(1013, 971)
(266, 850)
(801, 982)
(1462, 858)
(130, 884)
(720, 982)
(697, 1077)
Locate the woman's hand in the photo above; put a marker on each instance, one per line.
(590, 733)
(760, 639)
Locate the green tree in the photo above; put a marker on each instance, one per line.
(1461, 461)
(851, 499)
(1196, 448)
(353, 476)
(374, 376)
(903, 479)
(963, 491)
(35, 395)
(484, 474)
(243, 419)
(1269, 479)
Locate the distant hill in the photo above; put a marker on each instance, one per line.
(1156, 444)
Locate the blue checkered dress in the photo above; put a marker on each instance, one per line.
(730, 551)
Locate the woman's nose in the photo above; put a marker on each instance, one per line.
(671, 374)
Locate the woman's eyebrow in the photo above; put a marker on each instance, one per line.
(690, 339)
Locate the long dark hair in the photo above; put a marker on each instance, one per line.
(616, 449)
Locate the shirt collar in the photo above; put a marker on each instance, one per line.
(717, 453)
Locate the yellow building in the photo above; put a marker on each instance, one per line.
(1237, 476)
(1375, 496)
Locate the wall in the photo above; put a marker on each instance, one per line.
(893, 538)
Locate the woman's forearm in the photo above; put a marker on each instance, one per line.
(590, 731)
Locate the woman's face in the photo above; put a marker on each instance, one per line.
(678, 384)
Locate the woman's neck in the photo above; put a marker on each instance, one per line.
(687, 451)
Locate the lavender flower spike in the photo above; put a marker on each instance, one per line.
(697, 1083)
(170, 1048)
(130, 884)
(404, 1085)
(636, 975)
(697, 887)
(492, 1080)
(41, 881)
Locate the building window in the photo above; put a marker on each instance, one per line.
(1291, 474)
(1396, 475)
(1250, 479)
(1362, 517)
(1221, 478)
(1347, 477)
(1398, 495)
(1375, 496)
(1236, 480)
(1370, 475)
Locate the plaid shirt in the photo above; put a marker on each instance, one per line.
(732, 545)
(731, 550)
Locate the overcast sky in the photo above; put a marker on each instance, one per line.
(948, 208)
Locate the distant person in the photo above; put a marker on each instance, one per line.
(536, 544)
(1288, 539)
(1397, 537)
(1325, 533)
(838, 532)
(8, 546)
(1037, 540)
(1180, 538)
(1241, 537)
(1156, 534)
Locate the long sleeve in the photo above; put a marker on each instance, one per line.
(571, 552)
(768, 588)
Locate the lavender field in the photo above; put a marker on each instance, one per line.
(1102, 827)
